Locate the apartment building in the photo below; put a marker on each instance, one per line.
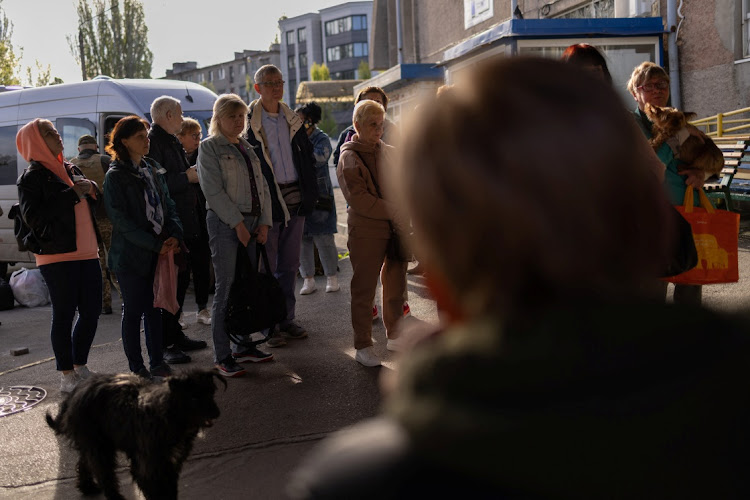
(337, 36)
(234, 76)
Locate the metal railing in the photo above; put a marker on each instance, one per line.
(725, 123)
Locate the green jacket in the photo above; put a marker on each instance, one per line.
(135, 246)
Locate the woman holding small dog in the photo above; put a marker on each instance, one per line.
(50, 196)
(239, 211)
(649, 84)
(144, 225)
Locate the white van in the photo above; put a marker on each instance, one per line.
(91, 107)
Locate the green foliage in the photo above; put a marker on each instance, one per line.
(327, 124)
(10, 62)
(209, 85)
(363, 71)
(320, 72)
(115, 41)
(40, 77)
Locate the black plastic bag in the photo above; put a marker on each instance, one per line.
(256, 300)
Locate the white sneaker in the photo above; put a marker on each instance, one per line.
(308, 286)
(182, 322)
(83, 372)
(68, 382)
(332, 284)
(367, 357)
(203, 316)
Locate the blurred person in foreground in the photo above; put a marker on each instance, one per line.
(57, 202)
(200, 253)
(320, 225)
(372, 216)
(144, 225)
(239, 211)
(94, 166)
(649, 84)
(554, 376)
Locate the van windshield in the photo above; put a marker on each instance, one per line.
(203, 117)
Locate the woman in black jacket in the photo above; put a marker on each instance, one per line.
(50, 193)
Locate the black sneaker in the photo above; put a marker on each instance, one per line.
(253, 355)
(144, 373)
(175, 356)
(188, 344)
(159, 373)
(229, 368)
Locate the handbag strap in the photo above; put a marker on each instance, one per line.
(689, 197)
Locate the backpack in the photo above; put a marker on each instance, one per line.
(25, 238)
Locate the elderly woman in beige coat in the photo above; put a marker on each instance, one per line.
(360, 171)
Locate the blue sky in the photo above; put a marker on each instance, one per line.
(179, 30)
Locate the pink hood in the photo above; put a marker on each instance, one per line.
(32, 147)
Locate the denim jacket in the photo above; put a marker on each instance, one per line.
(225, 180)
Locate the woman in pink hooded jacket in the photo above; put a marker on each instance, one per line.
(50, 195)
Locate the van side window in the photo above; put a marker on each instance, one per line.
(70, 130)
(8, 155)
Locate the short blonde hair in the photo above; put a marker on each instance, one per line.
(365, 109)
(189, 125)
(225, 104)
(643, 72)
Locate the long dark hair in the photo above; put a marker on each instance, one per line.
(584, 54)
(125, 128)
(311, 111)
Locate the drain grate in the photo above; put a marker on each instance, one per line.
(19, 398)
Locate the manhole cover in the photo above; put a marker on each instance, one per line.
(19, 398)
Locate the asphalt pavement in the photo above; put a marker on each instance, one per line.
(270, 418)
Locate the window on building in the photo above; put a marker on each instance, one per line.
(231, 74)
(343, 75)
(595, 9)
(290, 38)
(745, 28)
(222, 74)
(301, 36)
(359, 22)
(210, 75)
(341, 25)
(291, 64)
(303, 60)
(358, 49)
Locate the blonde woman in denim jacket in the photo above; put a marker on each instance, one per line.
(239, 211)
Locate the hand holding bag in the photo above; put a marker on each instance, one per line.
(256, 300)
(716, 236)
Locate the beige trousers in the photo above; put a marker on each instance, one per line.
(368, 258)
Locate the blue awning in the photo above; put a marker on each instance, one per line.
(515, 29)
(400, 75)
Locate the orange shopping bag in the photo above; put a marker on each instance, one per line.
(716, 235)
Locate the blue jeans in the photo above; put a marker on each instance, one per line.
(73, 285)
(138, 302)
(329, 255)
(283, 248)
(223, 242)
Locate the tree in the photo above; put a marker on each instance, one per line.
(10, 62)
(320, 72)
(363, 71)
(115, 42)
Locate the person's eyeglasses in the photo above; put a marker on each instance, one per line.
(649, 87)
(197, 137)
(277, 84)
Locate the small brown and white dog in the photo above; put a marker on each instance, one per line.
(696, 153)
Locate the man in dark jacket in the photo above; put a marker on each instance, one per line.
(288, 164)
(166, 150)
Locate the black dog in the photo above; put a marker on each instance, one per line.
(153, 424)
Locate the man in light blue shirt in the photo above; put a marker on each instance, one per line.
(288, 164)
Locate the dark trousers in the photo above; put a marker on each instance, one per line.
(198, 261)
(73, 285)
(138, 302)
